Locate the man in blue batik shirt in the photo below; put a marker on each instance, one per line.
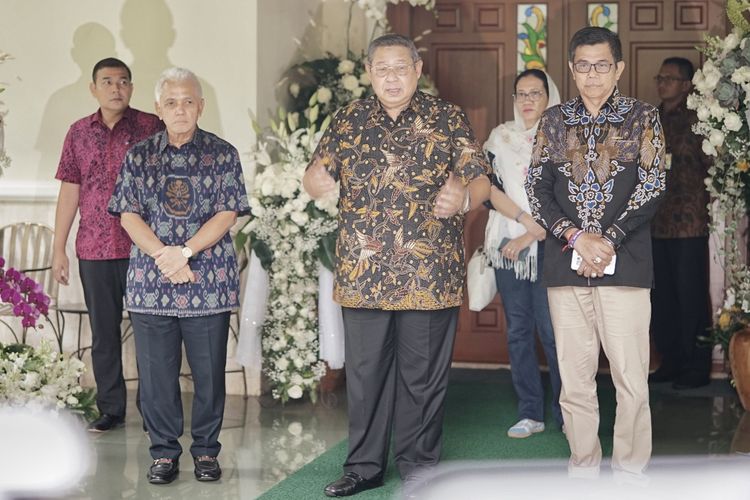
(178, 194)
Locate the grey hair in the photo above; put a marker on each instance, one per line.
(392, 40)
(176, 75)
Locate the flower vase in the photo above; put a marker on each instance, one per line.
(739, 360)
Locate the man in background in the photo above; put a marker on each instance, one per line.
(680, 299)
(92, 155)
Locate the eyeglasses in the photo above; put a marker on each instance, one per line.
(668, 79)
(585, 67)
(533, 96)
(399, 69)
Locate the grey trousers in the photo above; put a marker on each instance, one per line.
(158, 348)
(397, 365)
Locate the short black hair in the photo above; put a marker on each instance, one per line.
(110, 62)
(536, 73)
(593, 35)
(392, 40)
(684, 65)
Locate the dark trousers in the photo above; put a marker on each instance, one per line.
(680, 310)
(103, 289)
(158, 347)
(397, 365)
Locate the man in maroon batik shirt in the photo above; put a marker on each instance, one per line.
(92, 155)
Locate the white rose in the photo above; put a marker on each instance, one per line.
(298, 362)
(708, 148)
(346, 66)
(364, 79)
(324, 95)
(703, 113)
(712, 74)
(350, 82)
(294, 392)
(731, 42)
(300, 218)
(358, 92)
(296, 379)
(741, 75)
(294, 89)
(282, 363)
(732, 122)
(716, 138)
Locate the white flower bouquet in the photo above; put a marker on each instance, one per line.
(42, 378)
(721, 100)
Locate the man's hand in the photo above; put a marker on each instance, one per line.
(169, 260)
(450, 198)
(183, 275)
(60, 267)
(317, 181)
(596, 253)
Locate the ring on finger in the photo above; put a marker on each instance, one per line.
(597, 260)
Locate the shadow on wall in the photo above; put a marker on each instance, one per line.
(91, 43)
(147, 29)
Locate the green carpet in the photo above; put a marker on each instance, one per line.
(480, 407)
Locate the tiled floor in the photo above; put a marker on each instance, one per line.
(264, 441)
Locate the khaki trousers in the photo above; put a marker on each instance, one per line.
(617, 318)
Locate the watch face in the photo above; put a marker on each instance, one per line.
(186, 252)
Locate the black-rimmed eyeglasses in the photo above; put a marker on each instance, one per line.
(532, 96)
(585, 67)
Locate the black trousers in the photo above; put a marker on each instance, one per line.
(158, 348)
(103, 290)
(680, 304)
(397, 365)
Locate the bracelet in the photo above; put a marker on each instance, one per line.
(572, 241)
(517, 218)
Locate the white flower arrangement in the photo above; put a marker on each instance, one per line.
(41, 378)
(376, 9)
(722, 103)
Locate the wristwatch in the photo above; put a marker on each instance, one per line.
(186, 252)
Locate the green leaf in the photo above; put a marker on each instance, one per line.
(326, 251)
(264, 253)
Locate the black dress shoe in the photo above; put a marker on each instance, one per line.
(106, 422)
(351, 483)
(690, 381)
(207, 468)
(163, 471)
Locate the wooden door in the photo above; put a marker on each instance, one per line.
(471, 54)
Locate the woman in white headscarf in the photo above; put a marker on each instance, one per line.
(514, 244)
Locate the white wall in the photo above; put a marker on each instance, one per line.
(239, 48)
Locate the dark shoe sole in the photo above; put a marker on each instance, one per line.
(99, 431)
(207, 479)
(160, 480)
